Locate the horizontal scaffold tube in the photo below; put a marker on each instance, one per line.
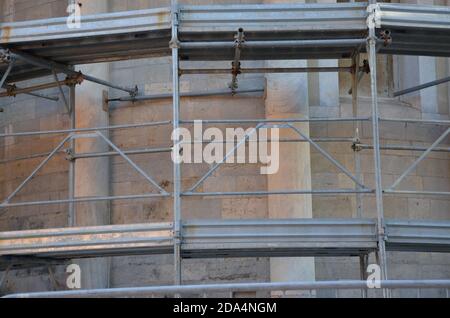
(12, 90)
(187, 194)
(280, 192)
(165, 150)
(64, 131)
(287, 120)
(187, 94)
(84, 200)
(270, 140)
(229, 121)
(266, 70)
(58, 67)
(405, 148)
(126, 152)
(442, 122)
(241, 287)
(274, 44)
(412, 192)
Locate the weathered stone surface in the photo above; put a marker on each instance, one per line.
(153, 76)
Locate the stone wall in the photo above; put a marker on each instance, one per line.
(327, 97)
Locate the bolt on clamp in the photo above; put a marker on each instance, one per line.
(70, 155)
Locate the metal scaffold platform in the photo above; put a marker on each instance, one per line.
(272, 32)
(228, 238)
(33, 49)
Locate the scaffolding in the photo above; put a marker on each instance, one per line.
(234, 33)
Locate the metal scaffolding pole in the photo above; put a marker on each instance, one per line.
(223, 160)
(283, 120)
(143, 151)
(404, 148)
(72, 160)
(187, 94)
(54, 66)
(8, 87)
(372, 50)
(280, 192)
(407, 192)
(61, 92)
(38, 95)
(5, 275)
(5, 203)
(85, 199)
(329, 157)
(132, 163)
(5, 76)
(126, 152)
(439, 122)
(357, 128)
(266, 70)
(175, 46)
(419, 160)
(242, 287)
(373, 44)
(422, 86)
(274, 44)
(12, 90)
(70, 138)
(91, 129)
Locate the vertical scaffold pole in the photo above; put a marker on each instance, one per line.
(357, 128)
(372, 50)
(175, 45)
(72, 221)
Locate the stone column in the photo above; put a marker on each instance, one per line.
(328, 84)
(324, 87)
(92, 175)
(414, 70)
(429, 96)
(287, 97)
